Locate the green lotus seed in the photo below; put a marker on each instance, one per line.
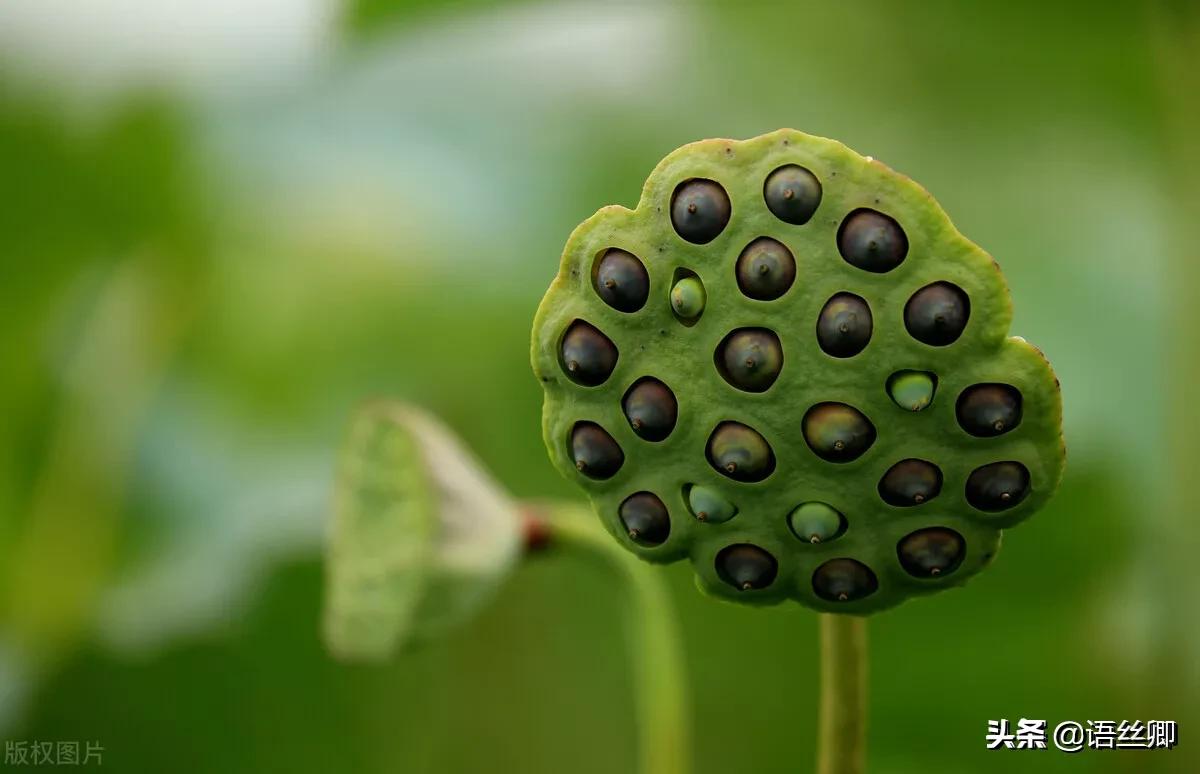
(998, 486)
(872, 241)
(910, 482)
(844, 325)
(688, 297)
(844, 580)
(816, 522)
(746, 567)
(750, 359)
(986, 410)
(645, 519)
(912, 390)
(837, 432)
(596, 454)
(792, 194)
(651, 409)
(739, 452)
(621, 280)
(587, 355)
(707, 505)
(765, 269)
(931, 552)
(937, 314)
(699, 210)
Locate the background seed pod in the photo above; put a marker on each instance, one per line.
(684, 353)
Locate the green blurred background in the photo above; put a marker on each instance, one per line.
(223, 225)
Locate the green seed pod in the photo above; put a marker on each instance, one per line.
(746, 567)
(937, 314)
(986, 410)
(837, 432)
(910, 482)
(645, 519)
(792, 194)
(708, 505)
(651, 409)
(688, 297)
(765, 269)
(588, 356)
(739, 452)
(750, 359)
(931, 552)
(594, 452)
(621, 280)
(699, 210)
(912, 390)
(844, 580)
(816, 522)
(872, 241)
(844, 325)
(998, 486)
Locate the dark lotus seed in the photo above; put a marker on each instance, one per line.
(699, 210)
(645, 519)
(746, 567)
(937, 314)
(837, 432)
(844, 325)
(750, 359)
(872, 241)
(651, 409)
(792, 194)
(588, 356)
(765, 269)
(930, 552)
(910, 482)
(844, 580)
(740, 452)
(621, 280)
(985, 410)
(595, 453)
(998, 486)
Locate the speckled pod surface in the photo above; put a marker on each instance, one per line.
(788, 366)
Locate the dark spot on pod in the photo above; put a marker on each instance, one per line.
(910, 482)
(985, 410)
(792, 194)
(651, 409)
(837, 432)
(740, 453)
(765, 269)
(621, 280)
(844, 325)
(750, 359)
(931, 552)
(699, 210)
(844, 580)
(746, 567)
(587, 356)
(595, 453)
(872, 241)
(937, 314)
(645, 519)
(998, 486)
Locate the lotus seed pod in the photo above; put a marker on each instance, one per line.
(688, 297)
(746, 567)
(998, 486)
(912, 390)
(844, 327)
(645, 519)
(621, 280)
(804, 338)
(588, 356)
(985, 410)
(816, 522)
(765, 269)
(930, 552)
(709, 506)
(699, 210)
(651, 409)
(910, 482)
(937, 314)
(872, 241)
(792, 193)
(750, 359)
(837, 432)
(594, 452)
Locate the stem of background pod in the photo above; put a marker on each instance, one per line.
(655, 650)
(842, 724)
